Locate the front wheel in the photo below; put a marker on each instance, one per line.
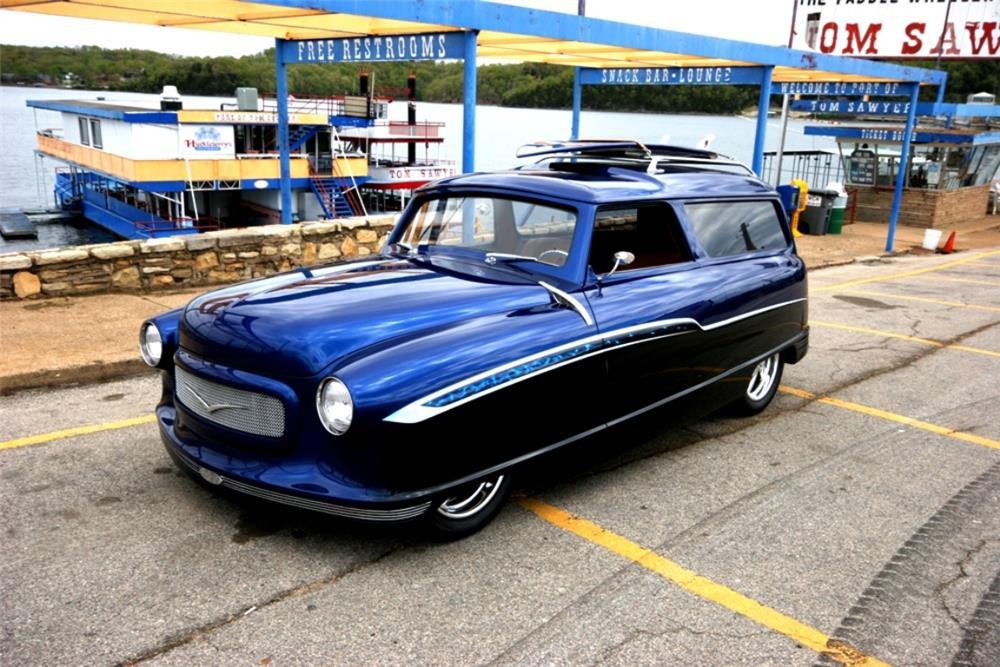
(761, 388)
(470, 508)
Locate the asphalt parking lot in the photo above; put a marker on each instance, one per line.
(856, 520)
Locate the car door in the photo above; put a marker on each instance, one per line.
(649, 312)
(747, 246)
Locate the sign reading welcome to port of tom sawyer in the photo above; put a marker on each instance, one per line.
(899, 28)
(854, 107)
(376, 49)
(843, 88)
(670, 76)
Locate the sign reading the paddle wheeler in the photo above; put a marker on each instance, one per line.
(378, 49)
(671, 76)
(900, 28)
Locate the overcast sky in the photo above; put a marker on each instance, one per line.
(765, 21)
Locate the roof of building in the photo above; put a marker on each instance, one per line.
(504, 32)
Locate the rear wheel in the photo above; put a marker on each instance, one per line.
(470, 507)
(761, 388)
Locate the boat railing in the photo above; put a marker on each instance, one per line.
(359, 106)
(385, 161)
(421, 129)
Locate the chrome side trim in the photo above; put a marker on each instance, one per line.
(421, 409)
(400, 514)
(565, 298)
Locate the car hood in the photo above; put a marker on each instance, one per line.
(298, 324)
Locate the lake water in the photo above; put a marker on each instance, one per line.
(24, 183)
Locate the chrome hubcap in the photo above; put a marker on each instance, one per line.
(762, 378)
(464, 506)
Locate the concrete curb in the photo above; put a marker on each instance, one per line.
(86, 374)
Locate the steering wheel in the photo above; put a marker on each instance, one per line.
(552, 251)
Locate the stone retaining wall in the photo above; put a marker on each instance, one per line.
(198, 260)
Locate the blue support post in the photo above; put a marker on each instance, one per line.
(762, 106)
(285, 162)
(941, 87)
(903, 170)
(469, 105)
(574, 132)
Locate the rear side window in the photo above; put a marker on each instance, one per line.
(736, 228)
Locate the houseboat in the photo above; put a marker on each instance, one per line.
(142, 172)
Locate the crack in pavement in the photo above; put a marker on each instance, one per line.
(203, 631)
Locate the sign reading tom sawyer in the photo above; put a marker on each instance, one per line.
(900, 28)
(384, 48)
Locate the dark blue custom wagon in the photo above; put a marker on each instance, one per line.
(509, 314)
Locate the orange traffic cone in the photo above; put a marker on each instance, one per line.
(949, 245)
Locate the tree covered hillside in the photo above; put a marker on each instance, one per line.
(520, 85)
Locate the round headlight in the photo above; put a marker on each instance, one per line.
(150, 344)
(335, 406)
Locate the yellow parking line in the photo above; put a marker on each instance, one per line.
(967, 281)
(923, 299)
(914, 339)
(907, 274)
(698, 585)
(893, 417)
(75, 431)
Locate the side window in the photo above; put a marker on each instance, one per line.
(650, 232)
(84, 131)
(95, 133)
(735, 228)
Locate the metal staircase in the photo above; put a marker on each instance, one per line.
(331, 197)
(300, 135)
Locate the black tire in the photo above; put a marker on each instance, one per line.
(469, 508)
(761, 387)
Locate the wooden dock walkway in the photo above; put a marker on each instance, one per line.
(14, 224)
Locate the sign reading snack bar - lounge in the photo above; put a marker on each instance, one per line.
(376, 49)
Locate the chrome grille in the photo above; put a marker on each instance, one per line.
(238, 409)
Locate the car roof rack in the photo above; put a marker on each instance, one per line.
(630, 153)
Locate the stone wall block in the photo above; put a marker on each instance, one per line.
(60, 256)
(317, 228)
(328, 251)
(366, 236)
(165, 244)
(161, 281)
(26, 284)
(349, 247)
(112, 251)
(150, 270)
(206, 260)
(12, 262)
(127, 278)
(200, 241)
(309, 253)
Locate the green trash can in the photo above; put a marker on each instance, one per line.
(837, 215)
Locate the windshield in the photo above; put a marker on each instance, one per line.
(501, 228)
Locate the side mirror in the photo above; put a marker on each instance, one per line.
(622, 258)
